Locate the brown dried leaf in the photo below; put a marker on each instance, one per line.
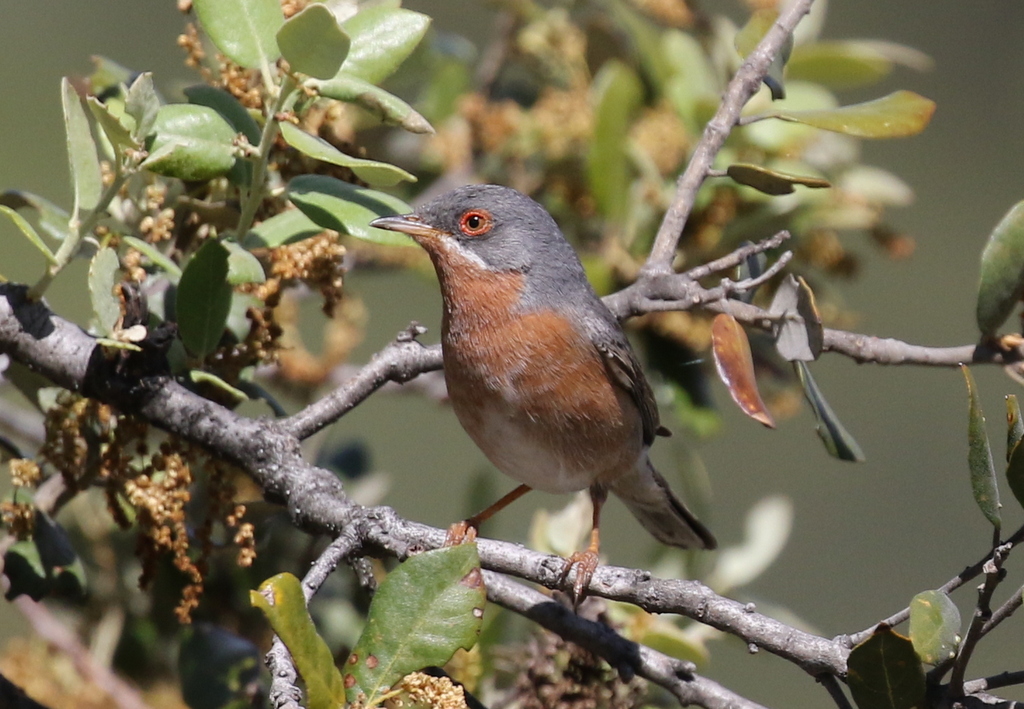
(735, 366)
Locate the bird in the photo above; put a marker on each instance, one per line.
(539, 371)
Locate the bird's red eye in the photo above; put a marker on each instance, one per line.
(476, 222)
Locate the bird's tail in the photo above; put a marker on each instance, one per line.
(652, 502)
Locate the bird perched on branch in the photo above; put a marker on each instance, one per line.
(539, 372)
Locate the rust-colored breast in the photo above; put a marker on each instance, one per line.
(529, 388)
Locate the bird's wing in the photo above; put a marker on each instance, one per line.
(625, 369)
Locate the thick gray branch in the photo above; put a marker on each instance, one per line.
(31, 334)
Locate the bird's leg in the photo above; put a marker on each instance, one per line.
(465, 531)
(585, 562)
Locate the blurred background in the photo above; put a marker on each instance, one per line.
(866, 537)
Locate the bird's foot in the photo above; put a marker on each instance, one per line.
(585, 563)
(463, 532)
(1010, 342)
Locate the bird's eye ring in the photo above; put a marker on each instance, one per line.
(476, 222)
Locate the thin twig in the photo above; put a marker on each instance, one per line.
(1004, 611)
(402, 360)
(737, 256)
(363, 570)
(629, 658)
(271, 454)
(835, 691)
(337, 551)
(1003, 679)
(122, 695)
(744, 84)
(284, 690)
(971, 572)
(982, 612)
(23, 423)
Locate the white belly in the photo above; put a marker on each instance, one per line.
(518, 454)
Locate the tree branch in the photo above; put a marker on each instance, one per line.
(122, 695)
(971, 572)
(1003, 679)
(982, 612)
(270, 452)
(1010, 605)
(284, 690)
(744, 84)
(835, 691)
(402, 360)
(677, 676)
(30, 333)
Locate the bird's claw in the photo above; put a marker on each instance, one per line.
(463, 532)
(585, 563)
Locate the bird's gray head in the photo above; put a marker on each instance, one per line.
(500, 227)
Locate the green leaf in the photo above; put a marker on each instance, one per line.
(979, 456)
(378, 174)
(450, 79)
(158, 258)
(119, 134)
(198, 376)
(875, 186)
(53, 220)
(426, 609)
(884, 672)
(216, 667)
(239, 323)
(204, 299)
(771, 182)
(839, 65)
(766, 531)
(24, 571)
(142, 103)
(284, 228)
(107, 75)
(838, 441)
(1015, 473)
(692, 86)
(228, 107)
(898, 115)
(387, 107)
(346, 208)
(798, 331)
(617, 94)
(934, 626)
(313, 43)
(287, 614)
(25, 228)
(658, 632)
(243, 267)
(37, 389)
(382, 38)
(190, 143)
(1001, 283)
(850, 64)
(1014, 424)
(751, 35)
(244, 30)
(646, 40)
(45, 564)
(85, 163)
(106, 307)
(106, 342)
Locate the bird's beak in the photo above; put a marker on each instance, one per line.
(409, 224)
